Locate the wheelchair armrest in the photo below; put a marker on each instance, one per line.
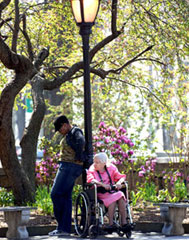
(89, 184)
(125, 183)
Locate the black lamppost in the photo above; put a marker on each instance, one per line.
(85, 12)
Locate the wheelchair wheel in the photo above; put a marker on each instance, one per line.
(93, 231)
(82, 214)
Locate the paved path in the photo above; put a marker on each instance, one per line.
(114, 236)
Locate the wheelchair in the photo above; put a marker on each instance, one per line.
(90, 212)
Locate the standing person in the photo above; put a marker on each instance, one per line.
(71, 166)
(105, 175)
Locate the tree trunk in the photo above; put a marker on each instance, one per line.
(20, 183)
(31, 134)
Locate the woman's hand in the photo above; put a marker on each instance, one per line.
(106, 186)
(118, 186)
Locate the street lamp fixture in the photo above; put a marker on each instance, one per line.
(85, 12)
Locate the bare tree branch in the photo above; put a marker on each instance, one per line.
(57, 82)
(114, 17)
(14, 61)
(117, 71)
(3, 5)
(103, 73)
(151, 60)
(16, 27)
(29, 44)
(103, 43)
(114, 34)
(44, 53)
(5, 21)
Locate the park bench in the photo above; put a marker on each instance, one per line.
(173, 215)
(17, 218)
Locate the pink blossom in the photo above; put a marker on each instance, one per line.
(154, 163)
(131, 160)
(116, 146)
(107, 140)
(172, 180)
(38, 175)
(143, 168)
(179, 174)
(95, 137)
(123, 130)
(125, 155)
(102, 125)
(117, 151)
(124, 139)
(147, 163)
(98, 144)
(130, 143)
(130, 152)
(141, 173)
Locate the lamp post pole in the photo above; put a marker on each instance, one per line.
(85, 12)
(85, 31)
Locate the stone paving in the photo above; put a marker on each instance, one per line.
(114, 236)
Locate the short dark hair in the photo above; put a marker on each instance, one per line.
(59, 122)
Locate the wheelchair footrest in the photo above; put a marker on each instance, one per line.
(127, 227)
(110, 229)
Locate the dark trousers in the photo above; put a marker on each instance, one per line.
(61, 194)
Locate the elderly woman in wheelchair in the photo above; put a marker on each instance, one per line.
(110, 180)
(104, 185)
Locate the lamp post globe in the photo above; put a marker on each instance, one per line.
(85, 12)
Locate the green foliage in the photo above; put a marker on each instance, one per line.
(145, 193)
(135, 197)
(76, 190)
(148, 192)
(163, 196)
(43, 200)
(6, 198)
(179, 191)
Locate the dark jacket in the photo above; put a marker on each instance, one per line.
(76, 141)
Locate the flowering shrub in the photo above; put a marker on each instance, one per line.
(47, 168)
(171, 176)
(114, 142)
(174, 181)
(147, 170)
(174, 187)
(178, 192)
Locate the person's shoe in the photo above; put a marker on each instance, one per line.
(58, 233)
